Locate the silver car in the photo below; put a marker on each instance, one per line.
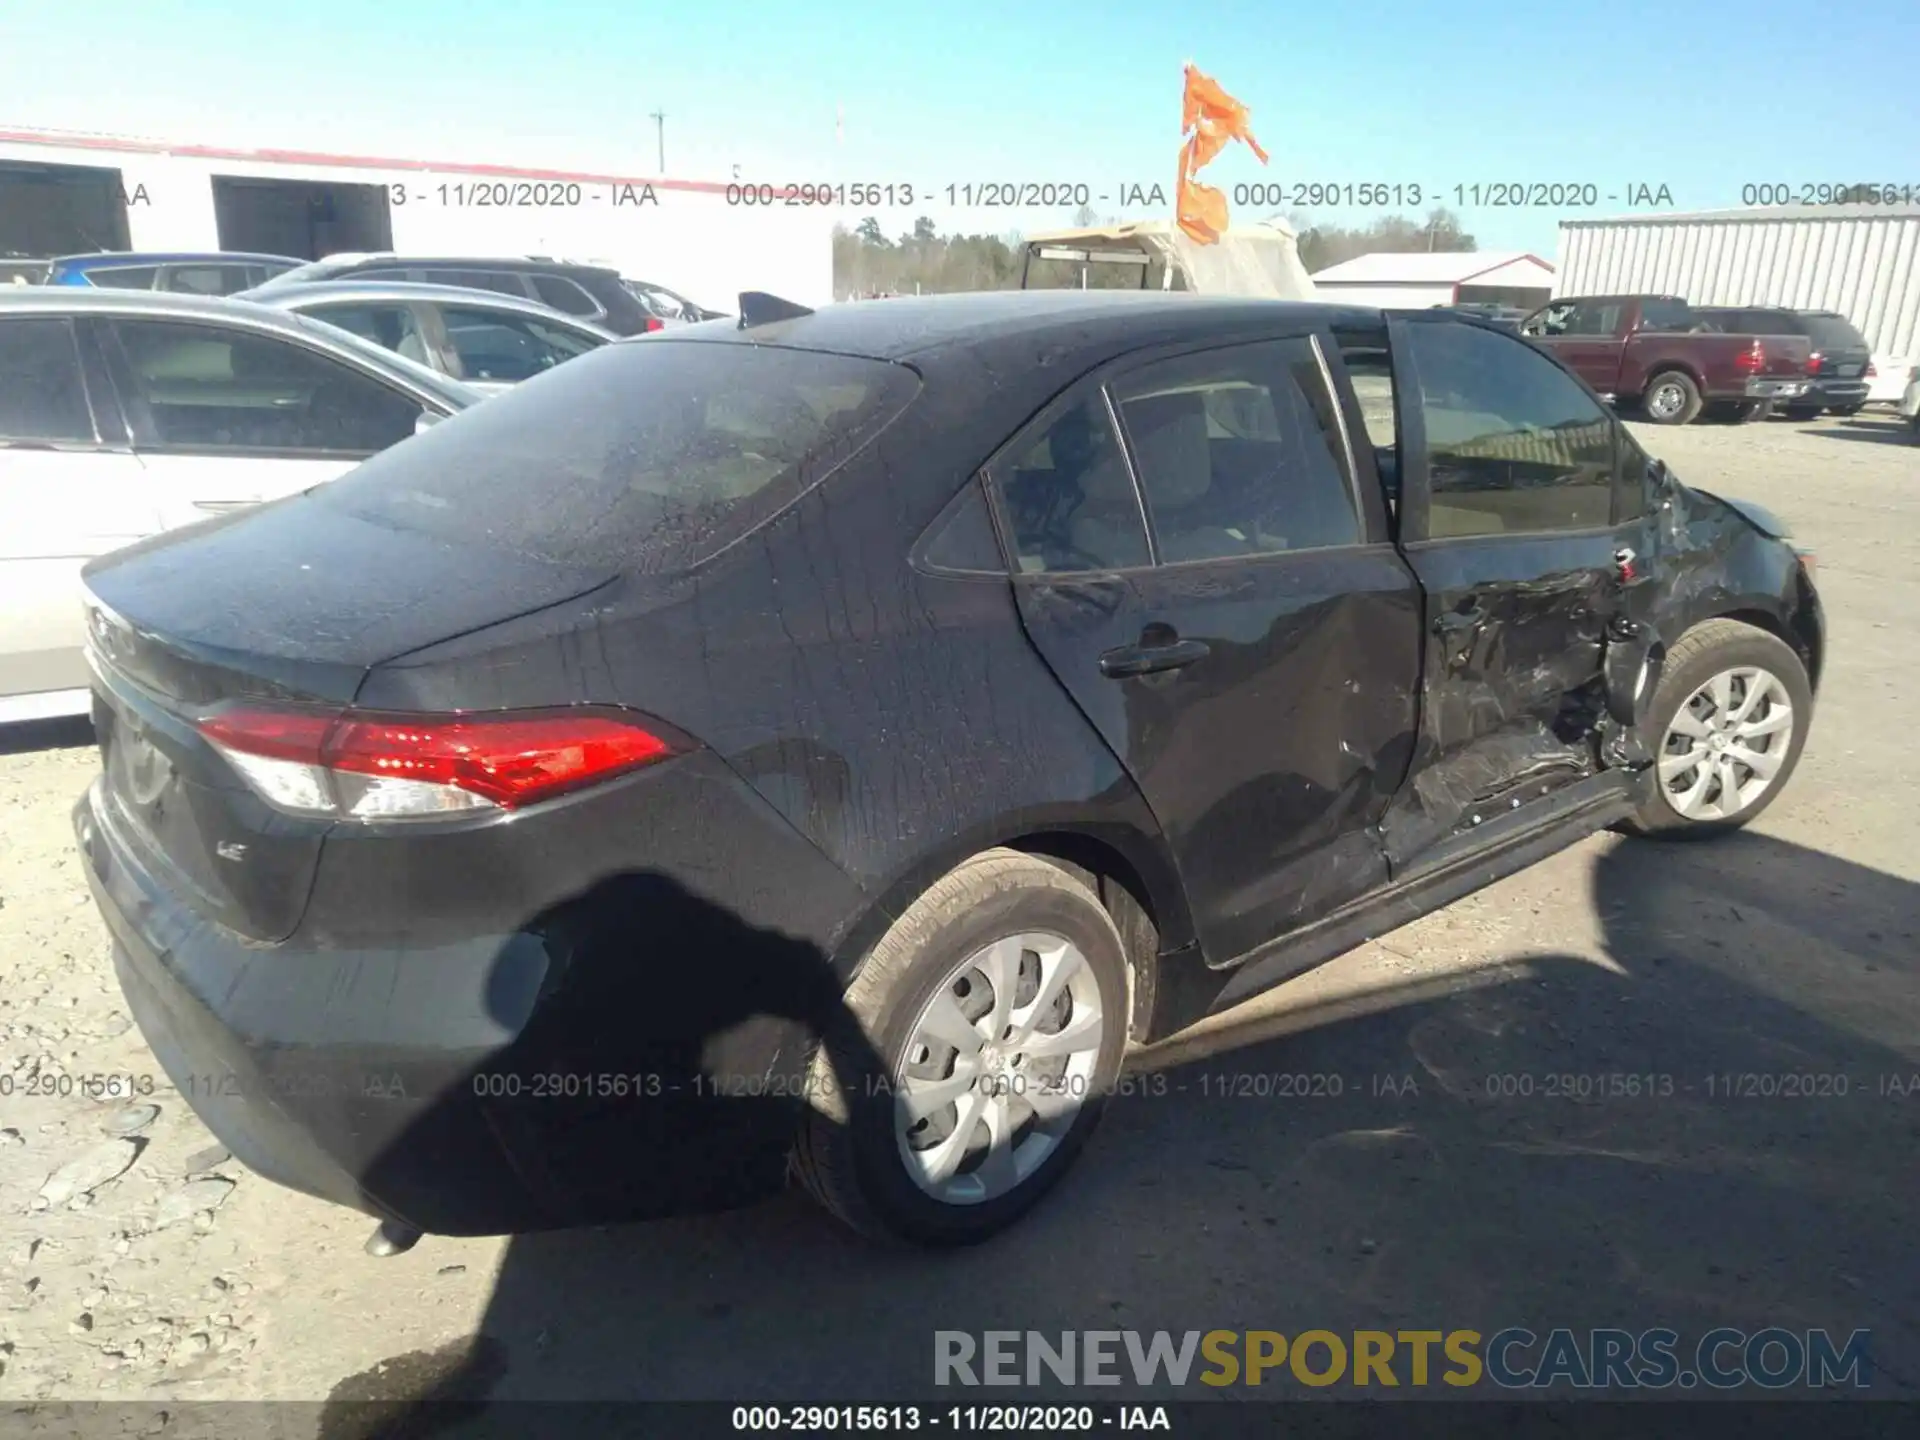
(489, 340)
(124, 413)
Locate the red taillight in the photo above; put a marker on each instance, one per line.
(369, 765)
(1751, 360)
(654, 322)
(1814, 362)
(1808, 561)
(1871, 372)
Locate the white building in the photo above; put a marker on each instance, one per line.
(1423, 278)
(1860, 260)
(63, 193)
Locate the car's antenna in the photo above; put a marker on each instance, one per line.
(759, 308)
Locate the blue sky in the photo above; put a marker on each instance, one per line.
(1702, 98)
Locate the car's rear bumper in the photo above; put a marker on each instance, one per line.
(633, 1053)
(1838, 393)
(1760, 388)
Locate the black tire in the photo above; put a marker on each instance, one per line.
(1751, 410)
(1733, 412)
(1687, 408)
(1800, 413)
(848, 1153)
(1703, 652)
(1846, 409)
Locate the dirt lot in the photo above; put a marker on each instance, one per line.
(136, 1261)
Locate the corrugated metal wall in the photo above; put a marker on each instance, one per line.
(1863, 261)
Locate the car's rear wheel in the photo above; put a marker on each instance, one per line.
(1800, 412)
(1727, 724)
(996, 1010)
(1846, 409)
(1671, 398)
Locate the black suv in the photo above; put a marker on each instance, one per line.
(591, 292)
(1838, 366)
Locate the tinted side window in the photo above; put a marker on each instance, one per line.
(124, 277)
(209, 279)
(1666, 316)
(200, 387)
(391, 327)
(1513, 443)
(1070, 499)
(564, 295)
(504, 281)
(1238, 452)
(495, 345)
(1599, 319)
(41, 393)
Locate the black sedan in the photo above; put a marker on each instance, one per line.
(827, 742)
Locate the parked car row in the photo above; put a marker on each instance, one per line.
(1676, 362)
(570, 761)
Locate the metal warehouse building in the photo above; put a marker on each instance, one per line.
(63, 193)
(1860, 260)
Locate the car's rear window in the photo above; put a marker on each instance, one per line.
(646, 455)
(1832, 332)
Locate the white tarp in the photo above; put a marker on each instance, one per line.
(1260, 260)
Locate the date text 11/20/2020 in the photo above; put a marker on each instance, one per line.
(1276, 194)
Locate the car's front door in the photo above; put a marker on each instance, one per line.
(227, 417)
(69, 490)
(1519, 492)
(1202, 558)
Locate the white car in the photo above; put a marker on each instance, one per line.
(1887, 378)
(124, 413)
(1910, 404)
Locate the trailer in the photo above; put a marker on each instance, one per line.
(1261, 260)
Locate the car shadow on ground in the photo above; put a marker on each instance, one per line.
(1712, 1122)
(1873, 431)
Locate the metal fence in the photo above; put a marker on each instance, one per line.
(1860, 260)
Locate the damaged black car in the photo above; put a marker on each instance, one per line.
(821, 746)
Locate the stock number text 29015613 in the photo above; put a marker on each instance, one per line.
(1787, 192)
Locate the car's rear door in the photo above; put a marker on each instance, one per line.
(224, 417)
(1250, 652)
(1518, 491)
(70, 489)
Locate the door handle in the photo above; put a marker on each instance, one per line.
(1458, 622)
(1151, 659)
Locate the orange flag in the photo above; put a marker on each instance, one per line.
(1209, 118)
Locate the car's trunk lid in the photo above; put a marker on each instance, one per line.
(292, 603)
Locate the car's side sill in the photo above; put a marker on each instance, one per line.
(1453, 868)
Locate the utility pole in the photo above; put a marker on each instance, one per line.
(660, 131)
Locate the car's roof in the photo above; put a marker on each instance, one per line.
(170, 257)
(310, 292)
(80, 300)
(470, 262)
(1083, 327)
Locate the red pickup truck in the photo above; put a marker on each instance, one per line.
(1654, 352)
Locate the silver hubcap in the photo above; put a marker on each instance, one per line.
(1726, 744)
(997, 1067)
(1667, 400)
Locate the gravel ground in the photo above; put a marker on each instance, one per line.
(138, 1261)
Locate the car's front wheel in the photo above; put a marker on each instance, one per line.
(996, 1012)
(1726, 724)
